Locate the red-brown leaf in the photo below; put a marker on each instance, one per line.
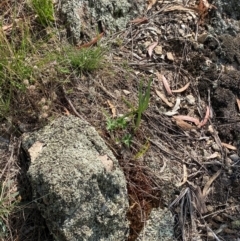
(151, 48)
(165, 83)
(181, 89)
(139, 20)
(92, 42)
(205, 120)
(187, 118)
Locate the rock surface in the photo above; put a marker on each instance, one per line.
(86, 18)
(227, 17)
(76, 182)
(159, 226)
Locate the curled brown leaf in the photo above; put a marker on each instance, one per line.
(165, 83)
(183, 125)
(187, 118)
(151, 48)
(205, 120)
(163, 98)
(92, 42)
(228, 146)
(181, 89)
(139, 20)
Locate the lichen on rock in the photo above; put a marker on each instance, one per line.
(84, 17)
(78, 197)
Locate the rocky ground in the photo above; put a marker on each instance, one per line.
(188, 165)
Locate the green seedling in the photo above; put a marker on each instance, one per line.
(120, 123)
(127, 140)
(143, 101)
(111, 124)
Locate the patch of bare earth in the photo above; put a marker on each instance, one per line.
(190, 167)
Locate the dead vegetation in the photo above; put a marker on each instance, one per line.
(175, 158)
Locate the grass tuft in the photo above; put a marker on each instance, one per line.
(44, 10)
(86, 59)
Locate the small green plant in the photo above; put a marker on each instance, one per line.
(44, 10)
(143, 101)
(135, 114)
(86, 59)
(127, 140)
(120, 123)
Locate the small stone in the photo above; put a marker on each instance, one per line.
(205, 179)
(234, 157)
(215, 147)
(194, 170)
(210, 235)
(162, 56)
(228, 162)
(181, 31)
(210, 129)
(190, 99)
(147, 43)
(126, 92)
(117, 93)
(158, 50)
(201, 38)
(210, 208)
(170, 56)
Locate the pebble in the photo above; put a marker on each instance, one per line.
(210, 208)
(190, 99)
(201, 38)
(228, 162)
(170, 56)
(158, 50)
(215, 147)
(181, 31)
(234, 157)
(205, 179)
(126, 92)
(210, 235)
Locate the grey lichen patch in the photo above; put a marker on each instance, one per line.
(159, 226)
(227, 19)
(79, 199)
(83, 17)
